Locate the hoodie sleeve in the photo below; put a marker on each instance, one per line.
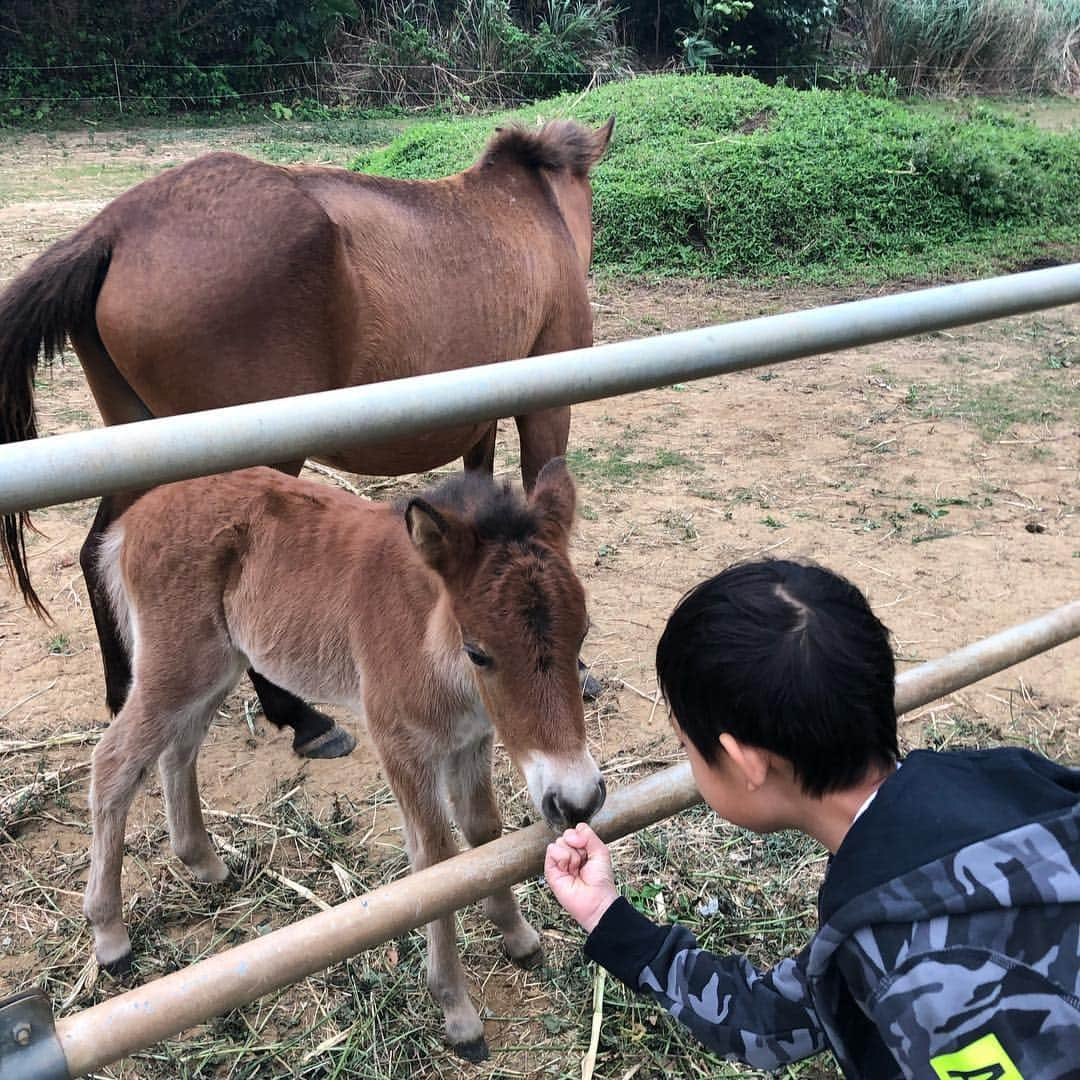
(763, 1019)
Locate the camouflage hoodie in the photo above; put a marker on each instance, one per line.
(949, 946)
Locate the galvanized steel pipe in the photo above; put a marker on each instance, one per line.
(141, 1017)
(137, 456)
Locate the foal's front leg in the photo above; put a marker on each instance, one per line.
(468, 781)
(415, 784)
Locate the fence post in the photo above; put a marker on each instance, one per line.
(116, 75)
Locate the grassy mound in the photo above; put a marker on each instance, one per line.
(724, 176)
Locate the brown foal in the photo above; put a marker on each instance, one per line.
(444, 625)
(229, 280)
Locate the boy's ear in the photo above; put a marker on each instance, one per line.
(751, 762)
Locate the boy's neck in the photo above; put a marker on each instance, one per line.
(829, 818)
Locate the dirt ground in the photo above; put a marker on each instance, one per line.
(940, 473)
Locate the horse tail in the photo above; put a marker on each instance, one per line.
(55, 296)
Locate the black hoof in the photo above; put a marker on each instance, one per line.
(120, 968)
(591, 687)
(476, 1050)
(530, 961)
(336, 742)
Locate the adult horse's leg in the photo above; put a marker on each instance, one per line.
(315, 735)
(481, 457)
(114, 654)
(415, 783)
(467, 775)
(543, 436)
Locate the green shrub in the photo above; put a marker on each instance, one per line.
(724, 176)
(202, 53)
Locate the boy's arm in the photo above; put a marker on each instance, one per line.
(763, 1019)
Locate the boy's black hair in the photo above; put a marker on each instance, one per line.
(787, 657)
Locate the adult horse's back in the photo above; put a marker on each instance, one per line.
(229, 280)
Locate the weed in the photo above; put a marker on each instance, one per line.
(772, 522)
(932, 534)
(932, 512)
(605, 551)
(680, 524)
(59, 645)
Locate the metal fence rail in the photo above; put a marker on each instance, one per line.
(141, 1017)
(137, 456)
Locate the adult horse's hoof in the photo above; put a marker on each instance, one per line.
(475, 1050)
(336, 742)
(591, 687)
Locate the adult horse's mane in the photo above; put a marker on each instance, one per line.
(559, 144)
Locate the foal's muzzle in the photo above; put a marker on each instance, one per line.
(566, 790)
(561, 812)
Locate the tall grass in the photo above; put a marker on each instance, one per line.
(409, 53)
(990, 45)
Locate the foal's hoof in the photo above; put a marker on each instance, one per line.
(120, 968)
(475, 1050)
(336, 742)
(530, 961)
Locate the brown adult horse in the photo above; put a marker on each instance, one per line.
(460, 613)
(228, 280)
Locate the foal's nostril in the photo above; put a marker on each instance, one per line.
(552, 809)
(597, 800)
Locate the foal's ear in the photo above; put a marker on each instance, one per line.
(601, 137)
(436, 536)
(554, 499)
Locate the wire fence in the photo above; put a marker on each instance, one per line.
(360, 83)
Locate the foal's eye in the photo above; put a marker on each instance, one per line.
(478, 656)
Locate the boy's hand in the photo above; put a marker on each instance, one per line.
(578, 869)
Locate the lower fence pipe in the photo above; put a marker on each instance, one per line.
(141, 1017)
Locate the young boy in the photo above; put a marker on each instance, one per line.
(950, 913)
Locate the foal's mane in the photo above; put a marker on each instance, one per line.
(497, 511)
(559, 144)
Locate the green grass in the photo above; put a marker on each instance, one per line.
(724, 176)
(994, 409)
(618, 465)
